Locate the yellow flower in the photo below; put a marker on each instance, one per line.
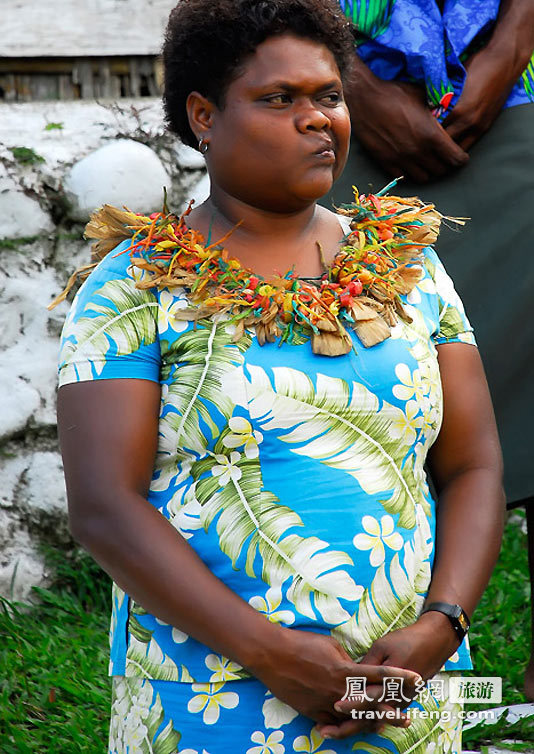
(226, 469)
(243, 434)
(311, 745)
(413, 386)
(210, 699)
(223, 668)
(168, 307)
(267, 606)
(377, 535)
(405, 425)
(270, 745)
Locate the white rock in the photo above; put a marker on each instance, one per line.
(28, 368)
(21, 566)
(11, 470)
(121, 173)
(189, 158)
(18, 402)
(21, 215)
(45, 484)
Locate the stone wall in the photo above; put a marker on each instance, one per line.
(58, 161)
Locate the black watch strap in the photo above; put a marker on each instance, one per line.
(455, 613)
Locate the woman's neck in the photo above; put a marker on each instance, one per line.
(266, 241)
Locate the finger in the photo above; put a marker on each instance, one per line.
(428, 165)
(370, 720)
(375, 655)
(378, 673)
(447, 150)
(415, 172)
(465, 137)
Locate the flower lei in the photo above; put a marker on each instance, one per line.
(360, 290)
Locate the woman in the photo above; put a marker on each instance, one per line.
(278, 427)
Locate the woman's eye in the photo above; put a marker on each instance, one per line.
(332, 98)
(278, 99)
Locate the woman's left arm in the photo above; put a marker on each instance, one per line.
(466, 466)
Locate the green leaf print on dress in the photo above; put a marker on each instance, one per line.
(145, 658)
(126, 322)
(252, 518)
(205, 354)
(416, 739)
(391, 602)
(137, 714)
(439, 731)
(340, 425)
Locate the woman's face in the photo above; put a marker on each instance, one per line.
(282, 137)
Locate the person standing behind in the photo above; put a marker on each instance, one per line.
(442, 93)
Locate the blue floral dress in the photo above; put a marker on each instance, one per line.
(298, 479)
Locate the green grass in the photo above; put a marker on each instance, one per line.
(55, 693)
(26, 155)
(15, 244)
(500, 636)
(61, 645)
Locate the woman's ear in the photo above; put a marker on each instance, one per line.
(200, 114)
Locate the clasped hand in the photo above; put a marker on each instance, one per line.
(308, 671)
(394, 124)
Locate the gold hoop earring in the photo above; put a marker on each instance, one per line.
(203, 145)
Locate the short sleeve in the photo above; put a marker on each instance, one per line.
(111, 329)
(453, 325)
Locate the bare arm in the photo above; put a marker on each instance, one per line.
(108, 435)
(466, 465)
(492, 73)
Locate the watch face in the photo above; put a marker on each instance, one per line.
(462, 621)
(456, 611)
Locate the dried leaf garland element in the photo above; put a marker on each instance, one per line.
(379, 261)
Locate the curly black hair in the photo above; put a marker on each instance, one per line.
(207, 41)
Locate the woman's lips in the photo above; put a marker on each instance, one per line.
(325, 152)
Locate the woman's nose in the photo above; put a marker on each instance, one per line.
(312, 118)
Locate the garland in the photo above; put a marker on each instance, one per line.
(379, 260)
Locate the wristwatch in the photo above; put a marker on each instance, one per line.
(457, 616)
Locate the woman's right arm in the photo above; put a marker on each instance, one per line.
(108, 434)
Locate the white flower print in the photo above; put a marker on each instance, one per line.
(271, 745)
(413, 385)
(267, 606)
(378, 534)
(134, 738)
(169, 305)
(446, 289)
(430, 422)
(184, 513)
(226, 469)
(243, 434)
(276, 713)
(177, 636)
(223, 668)
(405, 425)
(210, 699)
(130, 712)
(192, 751)
(136, 273)
(311, 745)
